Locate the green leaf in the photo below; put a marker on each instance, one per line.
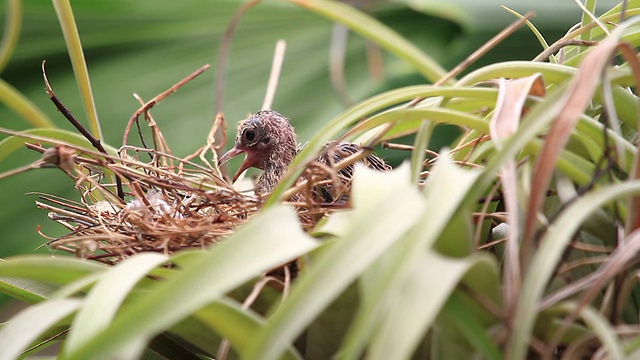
(25, 327)
(419, 299)
(600, 325)
(270, 239)
(324, 336)
(467, 323)
(235, 324)
(62, 270)
(30, 291)
(545, 259)
(107, 295)
(370, 234)
(11, 31)
(23, 106)
(378, 33)
(448, 186)
(76, 53)
(13, 143)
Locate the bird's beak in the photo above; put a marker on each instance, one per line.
(233, 152)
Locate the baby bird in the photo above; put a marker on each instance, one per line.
(269, 143)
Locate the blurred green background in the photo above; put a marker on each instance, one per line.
(145, 47)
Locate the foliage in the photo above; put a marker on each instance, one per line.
(519, 241)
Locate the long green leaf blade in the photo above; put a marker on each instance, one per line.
(546, 257)
(270, 239)
(371, 232)
(107, 295)
(76, 53)
(25, 327)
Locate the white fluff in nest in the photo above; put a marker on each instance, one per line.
(157, 205)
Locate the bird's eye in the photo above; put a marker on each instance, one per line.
(249, 135)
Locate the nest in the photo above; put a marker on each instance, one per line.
(171, 205)
(146, 199)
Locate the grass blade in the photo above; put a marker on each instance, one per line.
(373, 30)
(74, 48)
(107, 295)
(547, 256)
(12, 27)
(17, 102)
(370, 233)
(24, 328)
(270, 239)
(30, 291)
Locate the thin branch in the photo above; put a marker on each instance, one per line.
(151, 103)
(68, 115)
(554, 48)
(478, 53)
(72, 119)
(498, 38)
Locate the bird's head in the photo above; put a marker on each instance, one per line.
(266, 138)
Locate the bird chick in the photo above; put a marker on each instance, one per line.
(269, 143)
